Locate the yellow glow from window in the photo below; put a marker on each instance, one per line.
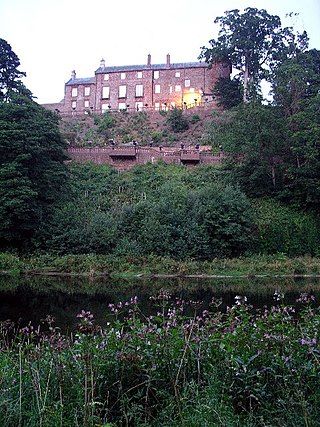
(191, 98)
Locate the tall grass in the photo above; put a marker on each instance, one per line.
(182, 366)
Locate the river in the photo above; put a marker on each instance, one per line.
(29, 299)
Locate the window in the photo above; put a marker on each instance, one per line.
(122, 91)
(156, 88)
(139, 106)
(106, 77)
(139, 75)
(74, 105)
(192, 89)
(86, 104)
(74, 92)
(105, 107)
(177, 74)
(178, 88)
(139, 90)
(172, 104)
(87, 91)
(156, 75)
(170, 89)
(122, 106)
(122, 76)
(157, 106)
(187, 83)
(105, 92)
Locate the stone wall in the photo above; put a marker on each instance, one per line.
(125, 158)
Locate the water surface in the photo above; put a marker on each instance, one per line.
(30, 299)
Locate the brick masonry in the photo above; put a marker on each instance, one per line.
(125, 158)
(146, 87)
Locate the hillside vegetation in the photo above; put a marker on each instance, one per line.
(167, 128)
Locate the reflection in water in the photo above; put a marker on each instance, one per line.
(30, 299)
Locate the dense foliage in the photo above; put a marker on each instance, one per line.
(254, 43)
(186, 364)
(31, 157)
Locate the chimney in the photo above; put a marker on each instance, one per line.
(168, 61)
(102, 63)
(73, 74)
(149, 61)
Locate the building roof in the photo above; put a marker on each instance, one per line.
(80, 81)
(123, 68)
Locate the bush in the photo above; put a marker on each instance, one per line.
(176, 121)
(283, 229)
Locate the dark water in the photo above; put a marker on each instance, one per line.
(25, 300)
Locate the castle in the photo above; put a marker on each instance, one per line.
(148, 87)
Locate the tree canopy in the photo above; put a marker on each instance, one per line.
(31, 157)
(10, 76)
(253, 42)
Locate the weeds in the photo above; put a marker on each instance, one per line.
(176, 367)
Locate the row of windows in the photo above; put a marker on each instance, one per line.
(122, 92)
(124, 106)
(86, 91)
(156, 75)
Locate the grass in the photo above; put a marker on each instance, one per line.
(126, 267)
(183, 366)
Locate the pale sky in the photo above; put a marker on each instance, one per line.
(54, 37)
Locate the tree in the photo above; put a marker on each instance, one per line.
(10, 83)
(253, 42)
(296, 81)
(31, 158)
(254, 139)
(296, 86)
(176, 121)
(228, 91)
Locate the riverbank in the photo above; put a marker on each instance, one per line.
(154, 267)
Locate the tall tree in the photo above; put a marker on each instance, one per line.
(296, 88)
(10, 76)
(253, 42)
(31, 159)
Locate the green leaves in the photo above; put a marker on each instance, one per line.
(253, 43)
(33, 173)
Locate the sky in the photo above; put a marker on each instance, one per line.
(54, 37)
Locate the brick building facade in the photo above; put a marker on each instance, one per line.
(148, 87)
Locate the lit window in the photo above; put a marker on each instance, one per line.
(177, 74)
(122, 91)
(156, 75)
(192, 89)
(157, 106)
(178, 88)
(122, 76)
(139, 74)
(187, 83)
(74, 105)
(106, 77)
(86, 104)
(122, 106)
(105, 92)
(105, 107)
(74, 91)
(170, 89)
(86, 91)
(156, 88)
(139, 90)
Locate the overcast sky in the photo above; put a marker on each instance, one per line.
(54, 37)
